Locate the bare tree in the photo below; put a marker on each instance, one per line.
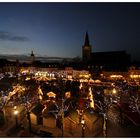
(135, 103)
(102, 106)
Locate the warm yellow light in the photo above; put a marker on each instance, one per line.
(114, 91)
(83, 122)
(69, 76)
(27, 79)
(51, 94)
(134, 76)
(40, 97)
(97, 81)
(67, 94)
(80, 85)
(101, 74)
(91, 98)
(116, 76)
(87, 76)
(15, 112)
(15, 107)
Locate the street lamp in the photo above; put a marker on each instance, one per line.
(83, 127)
(62, 117)
(29, 121)
(80, 114)
(16, 115)
(28, 117)
(104, 125)
(27, 108)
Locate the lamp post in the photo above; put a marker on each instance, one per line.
(28, 117)
(29, 121)
(80, 113)
(27, 108)
(83, 127)
(62, 119)
(16, 115)
(104, 125)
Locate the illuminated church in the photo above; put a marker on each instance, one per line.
(113, 60)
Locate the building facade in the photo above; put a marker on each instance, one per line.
(110, 61)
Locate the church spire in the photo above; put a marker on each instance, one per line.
(32, 54)
(32, 57)
(86, 40)
(86, 49)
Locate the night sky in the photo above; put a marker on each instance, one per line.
(58, 29)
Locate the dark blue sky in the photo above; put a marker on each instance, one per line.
(58, 29)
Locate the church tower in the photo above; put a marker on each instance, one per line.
(32, 57)
(86, 49)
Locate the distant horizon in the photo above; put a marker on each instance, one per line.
(27, 55)
(41, 55)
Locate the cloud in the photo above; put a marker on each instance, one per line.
(11, 37)
(19, 38)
